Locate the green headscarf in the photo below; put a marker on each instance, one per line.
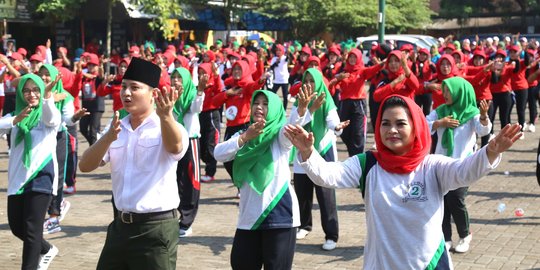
(58, 88)
(254, 163)
(463, 108)
(318, 122)
(32, 120)
(190, 91)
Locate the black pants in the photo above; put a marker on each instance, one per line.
(373, 106)
(504, 102)
(454, 206)
(273, 249)
(521, 104)
(424, 101)
(485, 139)
(71, 163)
(26, 215)
(284, 91)
(354, 136)
(90, 125)
(189, 187)
(533, 107)
(326, 197)
(335, 97)
(61, 157)
(229, 132)
(209, 122)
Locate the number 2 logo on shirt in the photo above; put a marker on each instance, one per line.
(415, 192)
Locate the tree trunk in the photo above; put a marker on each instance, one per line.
(109, 32)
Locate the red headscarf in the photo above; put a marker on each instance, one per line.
(426, 51)
(306, 50)
(207, 67)
(41, 50)
(359, 61)
(310, 60)
(393, 75)
(453, 72)
(211, 56)
(246, 74)
(334, 49)
(251, 61)
(184, 62)
(407, 163)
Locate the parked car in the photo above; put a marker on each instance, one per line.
(417, 41)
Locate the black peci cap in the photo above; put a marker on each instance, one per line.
(143, 71)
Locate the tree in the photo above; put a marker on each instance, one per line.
(64, 10)
(346, 17)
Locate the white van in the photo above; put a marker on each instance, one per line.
(417, 41)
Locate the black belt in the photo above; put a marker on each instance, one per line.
(129, 218)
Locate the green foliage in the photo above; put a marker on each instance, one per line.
(346, 17)
(164, 9)
(58, 10)
(63, 10)
(463, 9)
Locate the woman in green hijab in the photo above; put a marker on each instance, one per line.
(324, 122)
(268, 214)
(32, 169)
(458, 122)
(187, 109)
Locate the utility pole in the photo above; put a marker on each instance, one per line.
(381, 20)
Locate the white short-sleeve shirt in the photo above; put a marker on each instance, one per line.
(143, 172)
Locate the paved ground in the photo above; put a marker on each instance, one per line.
(500, 240)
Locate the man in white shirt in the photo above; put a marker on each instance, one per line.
(143, 149)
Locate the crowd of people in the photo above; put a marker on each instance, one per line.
(168, 106)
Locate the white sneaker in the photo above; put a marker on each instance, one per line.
(47, 258)
(448, 245)
(64, 208)
(329, 245)
(522, 137)
(301, 234)
(532, 128)
(525, 127)
(463, 244)
(186, 233)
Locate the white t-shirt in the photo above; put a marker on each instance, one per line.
(43, 147)
(404, 212)
(464, 135)
(281, 71)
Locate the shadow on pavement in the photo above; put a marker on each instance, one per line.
(501, 195)
(339, 254)
(215, 243)
(509, 221)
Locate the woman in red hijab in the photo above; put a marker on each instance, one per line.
(446, 68)
(209, 118)
(113, 84)
(478, 75)
(353, 100)
(400, 80)
(402, 185)
(424, 69)
(312, 62)
(237, 99)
